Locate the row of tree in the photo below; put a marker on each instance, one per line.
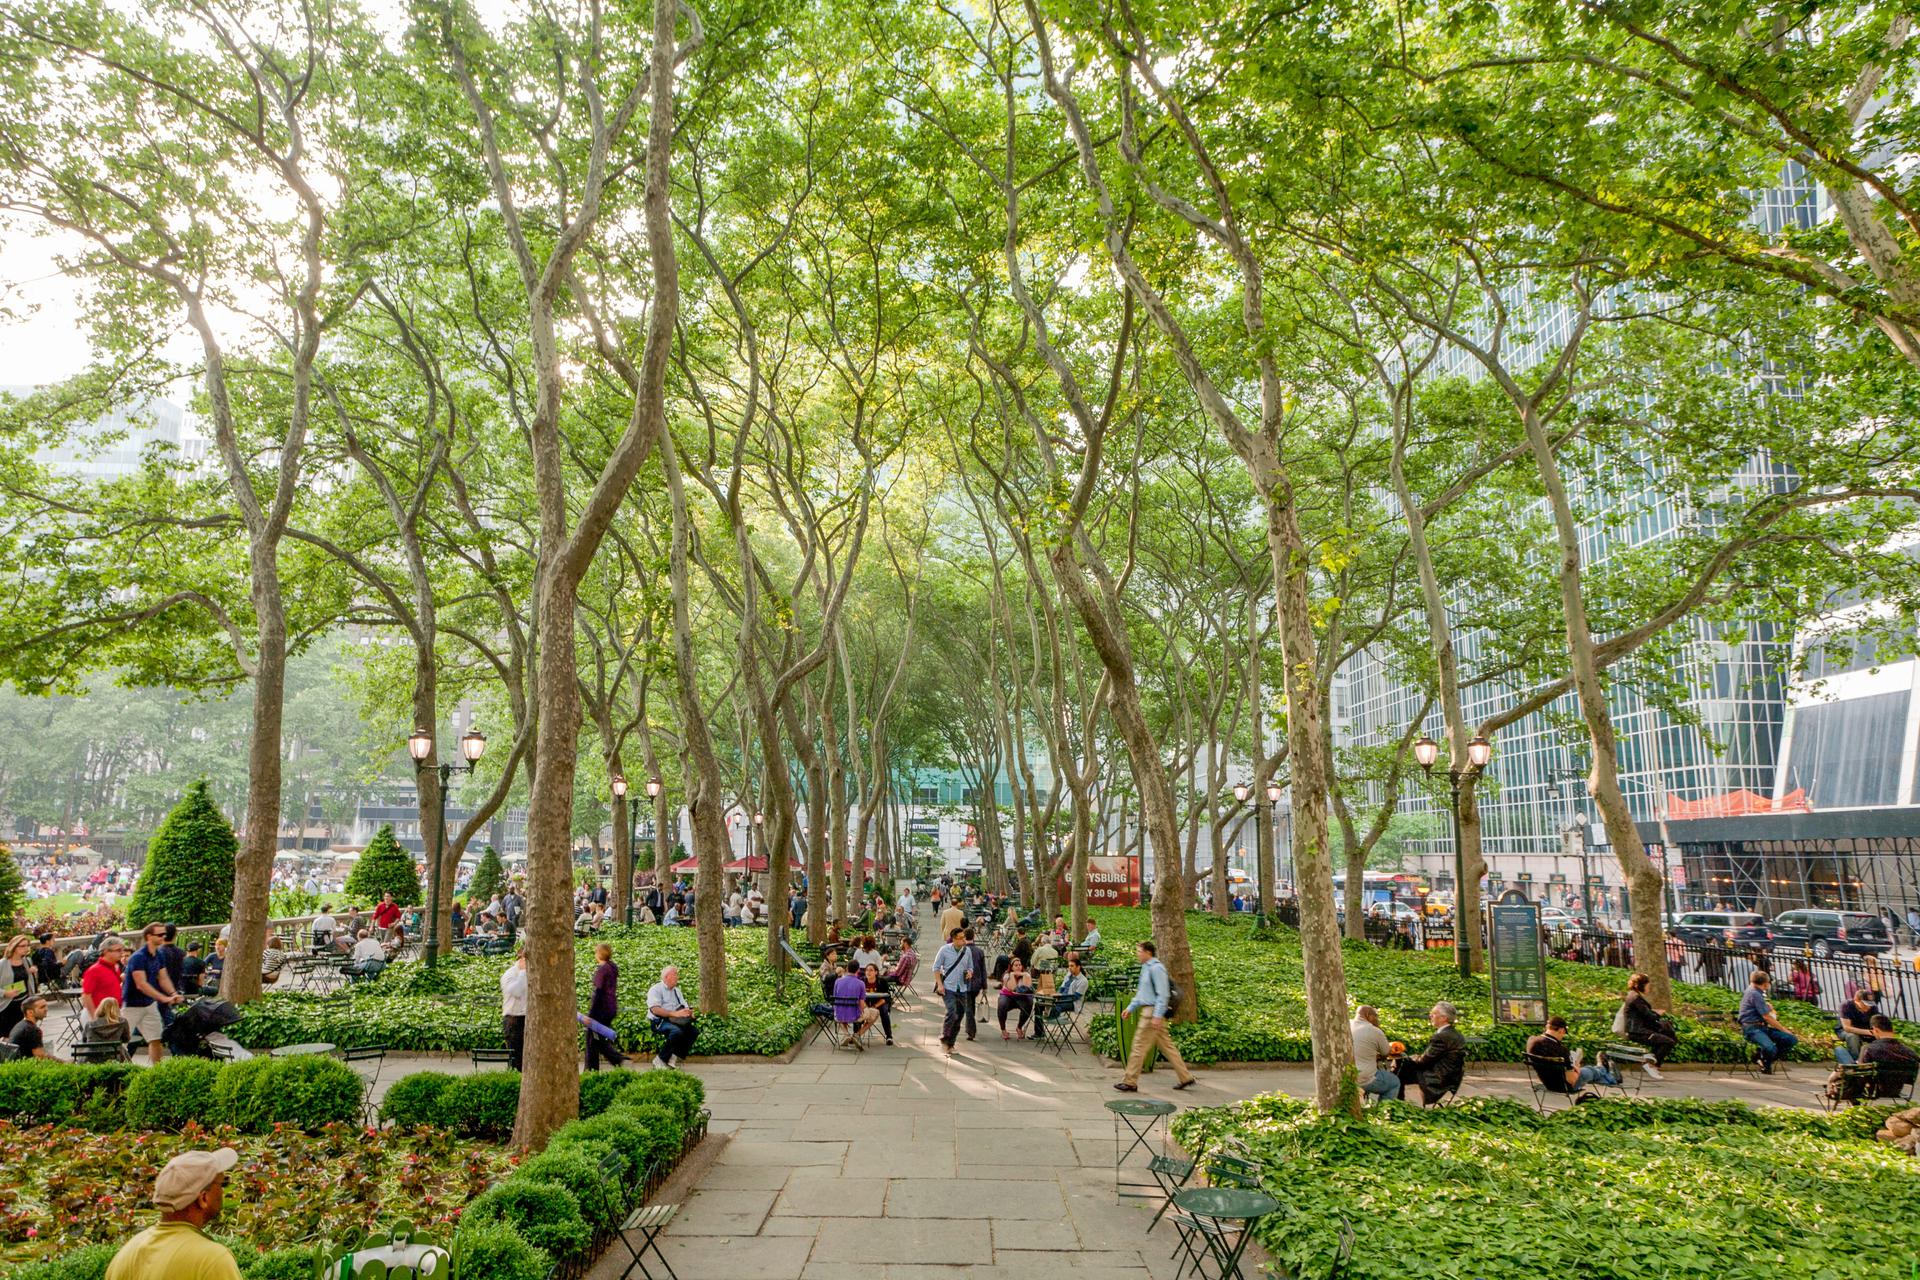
(773, 399)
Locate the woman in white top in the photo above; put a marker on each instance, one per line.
(513, 1008)
(865, 953)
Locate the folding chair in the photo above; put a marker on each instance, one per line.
(377, 1055)
(849, 1037)
(1546, 1082)
(1171, 1173)
(1059, 1021)
(99, 1051)
(1626, 1061)
(649, 1220)
(489, 1058)
(824, 1026)
(1858, 1083)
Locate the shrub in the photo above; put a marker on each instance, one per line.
(384, 867)
(600, 1089)
(665, 1134)
(616, 1131)
(414, 1100)
(89, 1263)
(677, 1091)
(13, 888)
(482, 1105)
(308, 1092)
(171, 1094)
(41, 1091)
(296, 1263)
(188, 875)
(489, 878)
(495, 1251)
(572, 1168)
(548, 1217)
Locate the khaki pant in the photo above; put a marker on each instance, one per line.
(1149, 1031)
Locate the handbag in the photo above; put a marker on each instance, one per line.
(1620, 1020)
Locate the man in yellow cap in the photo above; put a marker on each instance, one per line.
(188, 1192)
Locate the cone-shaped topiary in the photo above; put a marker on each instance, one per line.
(489, 877)
(13, 889)
(188, 877)
(385, 867)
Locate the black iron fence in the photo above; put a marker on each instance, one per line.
(1795, 973)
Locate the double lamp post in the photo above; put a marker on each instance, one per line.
(473, 745)
(1479, 751)
(619, 786)
(1263, 836)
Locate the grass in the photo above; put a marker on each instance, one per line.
(1253, 997)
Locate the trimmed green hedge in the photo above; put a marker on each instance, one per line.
(459, 1009)
(1610, 1190)
(251, 1096)
(1253, 998)
(555, 1204)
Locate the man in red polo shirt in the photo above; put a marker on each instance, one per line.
(102, 978)
(387, 914)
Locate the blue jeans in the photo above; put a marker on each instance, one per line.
(958, 1004)
(1771, 1043)
(1384, 1083)
(1596, 1075)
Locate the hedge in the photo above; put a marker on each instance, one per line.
(541, 1204)
(1253, 998)
(251, 1096)
(460, 1008)
(1608, 1190)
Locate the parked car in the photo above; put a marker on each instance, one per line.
(1728, 928)
(1557, 919)
(1828, 933)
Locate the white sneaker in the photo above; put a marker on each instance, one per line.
(661, 1064)
(1576, 1056)
(1653, 1072)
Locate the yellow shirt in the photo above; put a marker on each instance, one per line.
(950, 919)
(172, 1251)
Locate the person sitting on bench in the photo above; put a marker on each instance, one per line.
(1559, 1069)
(1898, 1064)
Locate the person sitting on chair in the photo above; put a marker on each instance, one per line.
(369, 955)
(1370, 1048)
(1560, 1070)
(880, 997)
(1439, 1070)
(850, 1005)
(1855, 1026)
(27, 1039)
(1761, 1026)
(1898, 1064)
(1016, 993)
(1647, 1025)
(670, 1016)
(107, 1026)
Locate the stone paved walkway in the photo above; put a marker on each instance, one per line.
(900, 1164)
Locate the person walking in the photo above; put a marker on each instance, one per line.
(603, 1008)
(1154, 1000)
(952, 973)
(513, 1010)
(146, 988)
(977, 962)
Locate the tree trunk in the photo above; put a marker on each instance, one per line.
(1643, 878)
(253, 868)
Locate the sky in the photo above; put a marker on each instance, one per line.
(41, 338)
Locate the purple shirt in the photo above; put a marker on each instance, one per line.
(849, 997)
(603, 1006)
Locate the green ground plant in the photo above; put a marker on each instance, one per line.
(1610, 1190)
(394, 1011)
(1253, 998)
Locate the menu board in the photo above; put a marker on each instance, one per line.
(1518, 968)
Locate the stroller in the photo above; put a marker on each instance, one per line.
(195, 1026)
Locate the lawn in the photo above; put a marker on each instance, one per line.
(1253, 999)
(458, 1007)
(61, 1187)
(1605, 1191)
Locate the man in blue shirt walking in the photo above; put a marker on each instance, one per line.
(1152, 998)
(953, 971)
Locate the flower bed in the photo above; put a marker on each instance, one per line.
(1253, 1005)
(1609, 1190)
(62, 1188)
(458, 1007)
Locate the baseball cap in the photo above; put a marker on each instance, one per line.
(188, 1174)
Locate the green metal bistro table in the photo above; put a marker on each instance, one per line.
(1140, 1116)
(1220, 1207)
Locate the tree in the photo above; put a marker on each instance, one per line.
(385, 867)
(13, 898)
(188, 878)
(489, 877)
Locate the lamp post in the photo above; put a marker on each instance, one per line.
(1479, 751)
(656, 824)
(473, 744)
(619, 787)
(1569, 781)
